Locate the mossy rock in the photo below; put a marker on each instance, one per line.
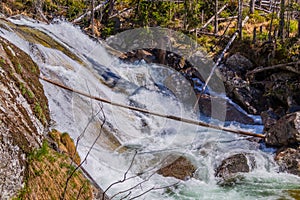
(65, 144)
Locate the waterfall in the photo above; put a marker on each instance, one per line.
(68, 56)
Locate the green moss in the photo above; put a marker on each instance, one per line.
(19, 68)
(39, 112)
(25, 91)
(38, 154)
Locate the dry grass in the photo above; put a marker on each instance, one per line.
(48, 171)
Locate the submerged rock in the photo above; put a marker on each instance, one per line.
(289, 160)
(181, 168)
(285, 132)
(231, 168)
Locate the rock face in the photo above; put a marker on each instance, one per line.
(23, 115)
(234, 165)
(181, 169)
(285, 132)
(289, 160)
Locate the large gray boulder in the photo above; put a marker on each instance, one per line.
(285, 132)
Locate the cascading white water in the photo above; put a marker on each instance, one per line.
(84, 64)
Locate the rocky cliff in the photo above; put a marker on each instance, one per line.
(24, 115)
(29, 167)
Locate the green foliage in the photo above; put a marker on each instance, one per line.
(49, 6)
(293, 26)
(108, 30)
(74, 8)
(256, 17)
(209, 27)
(225, 14)
(262, 36)
(156, 13)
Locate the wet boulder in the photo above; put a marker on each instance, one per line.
(232, 167)
(285, 132)
(289, 160)
(181, 168)
(222, 109)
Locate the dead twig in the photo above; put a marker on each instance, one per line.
(86, 156)
(124, 177)
(286, 66)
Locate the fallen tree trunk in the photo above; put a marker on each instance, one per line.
(176, 118)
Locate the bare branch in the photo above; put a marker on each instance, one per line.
(285, 66)
(89, 12)
(124, 177)
(139, 174)
(86, 156)
(155, 188)
(86, 127)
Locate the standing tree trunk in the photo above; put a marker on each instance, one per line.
(254, 35)
(93, 17)
(252, 6)
(216, 17)
(240, 19)
(111, 7)
(271, 24)
(281, 23)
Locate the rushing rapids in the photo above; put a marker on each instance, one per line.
(66, 55)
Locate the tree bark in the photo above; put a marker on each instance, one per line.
(281, 23)
(254, 35)
(216, 16)
(92, 17)
(240, 19)
(252, 6)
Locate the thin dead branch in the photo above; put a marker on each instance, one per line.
(286, 66)
(87, 154)
(155, 188)
(124, 177)
(87, 14)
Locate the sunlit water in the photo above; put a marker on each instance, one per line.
(156, 140)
